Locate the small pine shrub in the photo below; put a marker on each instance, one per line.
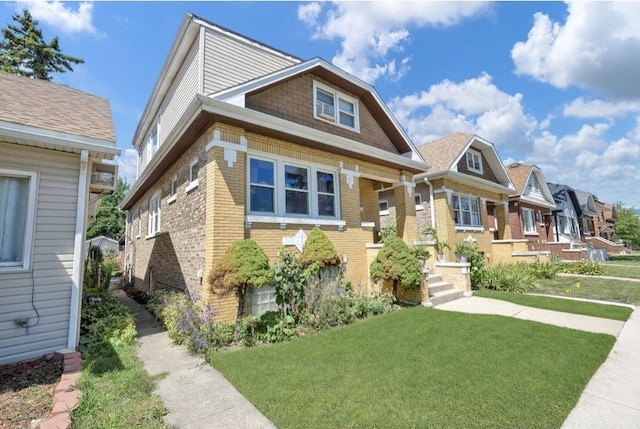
(395, 261)
(319, 250)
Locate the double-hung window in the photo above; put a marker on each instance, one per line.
(173, 189)
(17, 205)
(278, 187)
(474, 161)
(528, 221)
(466, 211)
(333, 106)
(154, 215)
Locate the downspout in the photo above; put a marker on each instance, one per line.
(78, 253)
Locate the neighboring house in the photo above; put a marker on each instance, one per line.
(566, 215)
(606, 220)
(52, 139)
(106, 244)
(589, 215)
(240, 140)
(530, 209)
(464, 194)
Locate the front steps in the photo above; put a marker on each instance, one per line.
(441, 291)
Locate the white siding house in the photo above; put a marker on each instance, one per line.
(45, 179)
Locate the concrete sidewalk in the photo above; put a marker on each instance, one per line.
(196, 395)
(611, 399)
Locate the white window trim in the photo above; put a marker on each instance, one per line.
(336, 96)
(468, 227)
(419, 205)
(139, 222)
(279, 192)
(29, 226)
(193, 183)
(150, 233)
(383, 212)
(533, 222)
(472, 168)
(173, 195)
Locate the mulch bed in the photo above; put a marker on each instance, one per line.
(26, 391)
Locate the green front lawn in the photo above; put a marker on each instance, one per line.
(625, 258)
(420, 368)
(626, 292)
(627, 270)
(565, 305)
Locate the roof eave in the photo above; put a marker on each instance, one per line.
(473, 181)
(72, 142)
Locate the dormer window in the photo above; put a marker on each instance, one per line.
(474, 161)
(333, 106)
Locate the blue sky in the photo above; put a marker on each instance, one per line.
(549, 83)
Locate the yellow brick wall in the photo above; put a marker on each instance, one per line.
(226, 208)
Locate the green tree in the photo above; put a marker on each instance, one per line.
(23, 50)
(627, 225)
(396, 261)
(243, 265)
(110, 220)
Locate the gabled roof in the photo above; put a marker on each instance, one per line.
(444, 153)
(47, 114)
(51, 106)
(587, 203)
(563, 195)
(355, 86)
(520, 174)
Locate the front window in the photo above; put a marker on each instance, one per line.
(17, 201)
(296, 193)
(474, 161)
(280, 188)
(154, 215)
(333, 106)
(528, 221)
(261, 186)
(173, 189)
(466, 211)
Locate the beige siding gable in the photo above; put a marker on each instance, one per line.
(229, 61)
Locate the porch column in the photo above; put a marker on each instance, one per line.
(406, 209)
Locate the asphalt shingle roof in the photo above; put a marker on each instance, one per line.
(442, 153)
(519, 173)
(55, 107)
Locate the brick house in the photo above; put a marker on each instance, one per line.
(530, 208)
(53, 140)
(464, 195)
(240, 140)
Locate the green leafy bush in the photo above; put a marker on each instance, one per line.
(582, 267)
(290, 280)
(396, 262)
(476, 261)
(508, 278)
(105, 321)
(542, 270)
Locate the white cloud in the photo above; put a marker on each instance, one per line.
(581, 108)
(127, 165)
(474, 105)
(593, 48)
(63, 18)
(373, 34)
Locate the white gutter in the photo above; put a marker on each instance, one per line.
(78, 252)
(432, 208)
(71, 141)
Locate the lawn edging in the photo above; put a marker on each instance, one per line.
(596, 301)
(66, 396)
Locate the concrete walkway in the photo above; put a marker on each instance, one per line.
(196, 395)
(611, 399)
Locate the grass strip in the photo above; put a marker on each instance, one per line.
(420, 367)
(117, 392)
(632, 272)
(565, 305)
(625, 258)
(625, 292)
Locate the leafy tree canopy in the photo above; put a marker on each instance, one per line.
(110, 220)
(23, 50)
(627, 224)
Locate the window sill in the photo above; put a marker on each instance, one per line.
(337, 124)
(469, 228)
(284, 220)
(192, 186)
(14, 269)
(533, 234)
(383, 213)
(150, 236)
(419, 207)
(172, 199)
(473, 170)
(138, 236)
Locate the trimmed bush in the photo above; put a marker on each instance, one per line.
(319, 250)
(396, 261)
(582, 267)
